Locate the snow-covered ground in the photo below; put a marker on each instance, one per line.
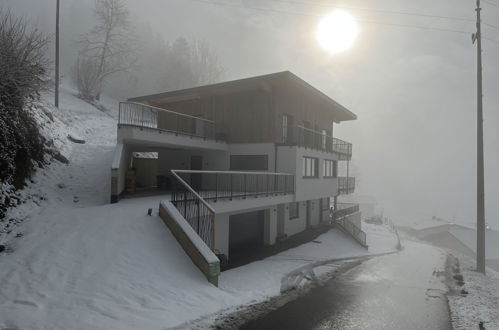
(481, 304)
(77, 262)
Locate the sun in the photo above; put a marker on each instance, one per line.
(337, 31)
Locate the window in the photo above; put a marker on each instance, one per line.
(249, 162)
(330, 168)
(294, 210)
(310, 167)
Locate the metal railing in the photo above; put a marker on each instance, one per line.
(346, 185)
(195, 210)
(216, 185)
(309, 138)
(147, 116)
(192, 190)
(340, 217)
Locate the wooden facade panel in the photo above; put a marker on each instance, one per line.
(254, 116)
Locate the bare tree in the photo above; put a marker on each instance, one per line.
(23, 65)
(187, 65)
(204, 63)
(107, 49)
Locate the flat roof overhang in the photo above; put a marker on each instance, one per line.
(265, 82)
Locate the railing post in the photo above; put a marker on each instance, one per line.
(267, 184)
(212, 231)
(216, 187)
(230, 183)
(185, 203)
(245, 187)
(199, 230)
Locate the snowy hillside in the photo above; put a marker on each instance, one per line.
(85, 180)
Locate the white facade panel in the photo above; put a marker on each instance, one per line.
(290, 160)
(296, 225)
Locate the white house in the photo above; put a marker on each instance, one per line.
(247, 162)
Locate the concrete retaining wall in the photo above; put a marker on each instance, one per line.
(193, 245)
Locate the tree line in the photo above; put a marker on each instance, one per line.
(111, 47)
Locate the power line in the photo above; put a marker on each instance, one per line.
(422, 27)
(386, 11)
(410, 26)
(490, 25)
(491, 3)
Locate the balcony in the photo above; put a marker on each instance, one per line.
(309, 138)
(197, 195)
(346, 185)
(156, 126)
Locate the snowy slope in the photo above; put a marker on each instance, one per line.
(77, 262)
(86, 178)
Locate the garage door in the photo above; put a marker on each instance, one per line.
(245, 233)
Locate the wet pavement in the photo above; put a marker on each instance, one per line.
(396, 291)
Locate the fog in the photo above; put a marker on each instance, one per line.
(413, 90)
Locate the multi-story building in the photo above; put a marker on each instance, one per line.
(247, 162)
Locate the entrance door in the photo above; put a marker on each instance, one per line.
(246, 232)
(196, 164)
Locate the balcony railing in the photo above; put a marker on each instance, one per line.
(309, 138)
(193, 189)
(218, 185)
(147, 116)
(340, 217)
(346, 185)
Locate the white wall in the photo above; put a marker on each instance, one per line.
(153, 137)
(121, 163)
(289, 160)
(294, 226)
(222, 233)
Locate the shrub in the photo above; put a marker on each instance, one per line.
(23, 74)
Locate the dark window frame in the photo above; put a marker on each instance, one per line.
(310, 168)
(329, 169)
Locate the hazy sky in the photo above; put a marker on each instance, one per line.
(414, 90)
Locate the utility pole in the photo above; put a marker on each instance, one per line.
(480, 203)
(56, 94)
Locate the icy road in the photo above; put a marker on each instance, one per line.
(397, 291)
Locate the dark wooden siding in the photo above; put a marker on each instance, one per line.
(254, 116)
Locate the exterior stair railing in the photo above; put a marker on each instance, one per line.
(195, 210)
(194, 190)
(340, 217)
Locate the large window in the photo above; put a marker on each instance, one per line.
(330, 168)
(310, 167)
(294, 210)
(249, 162)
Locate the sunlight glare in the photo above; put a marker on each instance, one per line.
(337, 31)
